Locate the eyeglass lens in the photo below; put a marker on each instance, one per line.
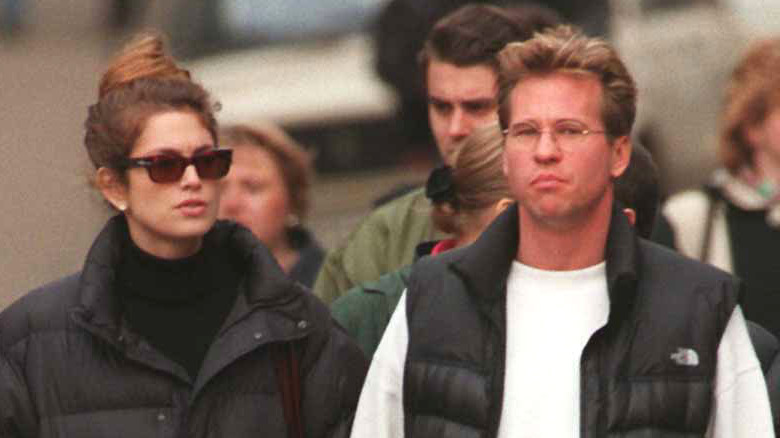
(208, 165)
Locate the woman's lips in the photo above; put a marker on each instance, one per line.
(192, 207)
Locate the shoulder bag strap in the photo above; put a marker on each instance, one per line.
(712, 197)
(288, 375)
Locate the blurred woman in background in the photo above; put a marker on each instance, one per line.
(177, 325)
(734, 222)
(267, 190)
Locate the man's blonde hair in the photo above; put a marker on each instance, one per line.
(564, 50)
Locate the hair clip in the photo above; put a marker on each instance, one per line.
(439, 187)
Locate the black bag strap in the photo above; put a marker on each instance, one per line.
(288, 375)
(713, 198)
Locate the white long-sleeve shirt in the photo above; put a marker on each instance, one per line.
(549, 407)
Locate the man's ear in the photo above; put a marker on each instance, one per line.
(112, 187)
(503, 204)
(631, 215)
(621, 156)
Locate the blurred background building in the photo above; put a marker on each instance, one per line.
(311, 66)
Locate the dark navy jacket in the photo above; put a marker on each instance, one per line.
(70, 366)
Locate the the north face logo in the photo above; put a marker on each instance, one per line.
(686, 357)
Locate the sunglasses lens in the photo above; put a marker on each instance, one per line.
(213, 164)
(170, 168)
(166, 169)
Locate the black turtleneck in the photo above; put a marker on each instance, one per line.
(178, 305)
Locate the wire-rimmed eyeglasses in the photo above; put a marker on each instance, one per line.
(526, 135)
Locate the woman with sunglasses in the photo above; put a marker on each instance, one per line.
(178, 325)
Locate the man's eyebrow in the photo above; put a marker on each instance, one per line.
(556, 122)
(480, 100)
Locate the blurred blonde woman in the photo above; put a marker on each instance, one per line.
(465, 197)
(734, 222)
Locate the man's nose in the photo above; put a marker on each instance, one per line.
(547, 148)
(459, 124)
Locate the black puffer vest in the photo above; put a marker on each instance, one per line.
(648, 372)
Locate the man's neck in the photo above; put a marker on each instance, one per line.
(564, 246)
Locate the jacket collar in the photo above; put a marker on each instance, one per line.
(484, 266)
(264, 283)
(749, 197)
(425, 248)
(623, 258)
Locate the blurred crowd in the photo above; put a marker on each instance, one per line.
(541, 282)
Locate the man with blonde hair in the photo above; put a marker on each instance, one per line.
(560, 321)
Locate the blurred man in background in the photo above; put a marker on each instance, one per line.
(459, 66)
(401, 30)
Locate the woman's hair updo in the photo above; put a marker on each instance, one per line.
(143, 80)
(475, 181)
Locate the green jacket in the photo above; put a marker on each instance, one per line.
(383, 242)
(364, 311)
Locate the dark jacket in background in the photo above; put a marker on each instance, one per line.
(364, 311)
(70, 366)
(631, 386)
(731, 225)
(310, 256)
